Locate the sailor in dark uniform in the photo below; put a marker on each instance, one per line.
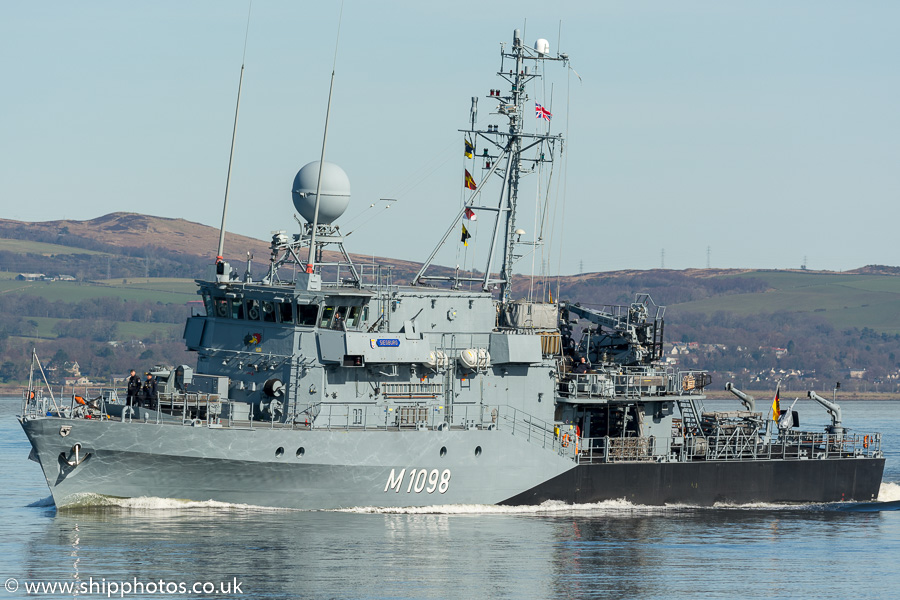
(134, 389)
(148, 392)
(581, 366)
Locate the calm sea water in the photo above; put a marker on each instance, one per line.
(610, 550)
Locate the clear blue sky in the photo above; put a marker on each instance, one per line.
(765, 130)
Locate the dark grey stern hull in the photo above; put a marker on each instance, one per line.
(708, 483)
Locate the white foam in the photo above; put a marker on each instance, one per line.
(889, 492)
(548, 507)
(149, 503)
(763, 506)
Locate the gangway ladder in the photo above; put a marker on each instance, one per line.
(689, 413)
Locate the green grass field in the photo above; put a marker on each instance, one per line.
(165, 290)
(126, 330)
(843, 300)
(29, 247)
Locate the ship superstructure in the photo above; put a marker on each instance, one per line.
(327, 384)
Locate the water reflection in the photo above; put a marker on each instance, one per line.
(640, 552)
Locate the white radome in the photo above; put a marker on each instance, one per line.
(334, 196)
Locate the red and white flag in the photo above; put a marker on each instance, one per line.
(470, 215)
(541, 113)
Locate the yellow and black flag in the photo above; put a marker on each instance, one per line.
(469, 182)
(470, 149)
(465, 236)
(776, 403)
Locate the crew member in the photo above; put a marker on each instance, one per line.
(148, 392)
(134, 389)
(582, 366)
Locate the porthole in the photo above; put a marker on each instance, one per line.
(477, 450)
(300, 452)
(279, 452)
(443, 451)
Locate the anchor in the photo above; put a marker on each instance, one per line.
(75, 457)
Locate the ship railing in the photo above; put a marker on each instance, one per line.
(812, 445)
(371, 275)
(36, 403)
(629, 382)
(535, 430)
(740, 445)
(78, 401)
(347, 416)
(192, 407)
(412, 416)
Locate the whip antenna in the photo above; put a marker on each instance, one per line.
(237, 109)
(310, 260)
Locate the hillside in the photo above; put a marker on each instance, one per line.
(133, 275)
(133, 245)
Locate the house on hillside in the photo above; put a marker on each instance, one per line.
(30, 277)
(857, 373)
(72, 368)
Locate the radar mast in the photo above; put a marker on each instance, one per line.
(505, 149)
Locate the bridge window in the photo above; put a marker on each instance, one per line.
(237, 308)
(208, 304)
(253, 310)
(340, 318)
(327, 313)
(287, 315)
(353, 317)
(223, 309)
(268, 310)
(306, 314)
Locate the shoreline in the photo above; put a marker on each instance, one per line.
(767, 395)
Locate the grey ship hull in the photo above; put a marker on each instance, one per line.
(336, 469)
(342, 469)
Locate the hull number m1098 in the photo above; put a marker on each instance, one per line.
(419, 480)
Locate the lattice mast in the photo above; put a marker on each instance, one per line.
(509, 148)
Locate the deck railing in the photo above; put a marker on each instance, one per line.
(794, 445)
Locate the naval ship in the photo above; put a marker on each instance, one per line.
(326, 384)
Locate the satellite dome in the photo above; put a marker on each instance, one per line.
(334, 195)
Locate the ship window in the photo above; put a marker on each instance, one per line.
(208, 304)
(268, 309)
(326, 316)
(340, 318)
(365, 314)
(222, 308)
(306, 314)
(253, 310)
(287, 315)
(237, 308)
(353, 317)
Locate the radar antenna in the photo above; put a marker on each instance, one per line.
(508, 148)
